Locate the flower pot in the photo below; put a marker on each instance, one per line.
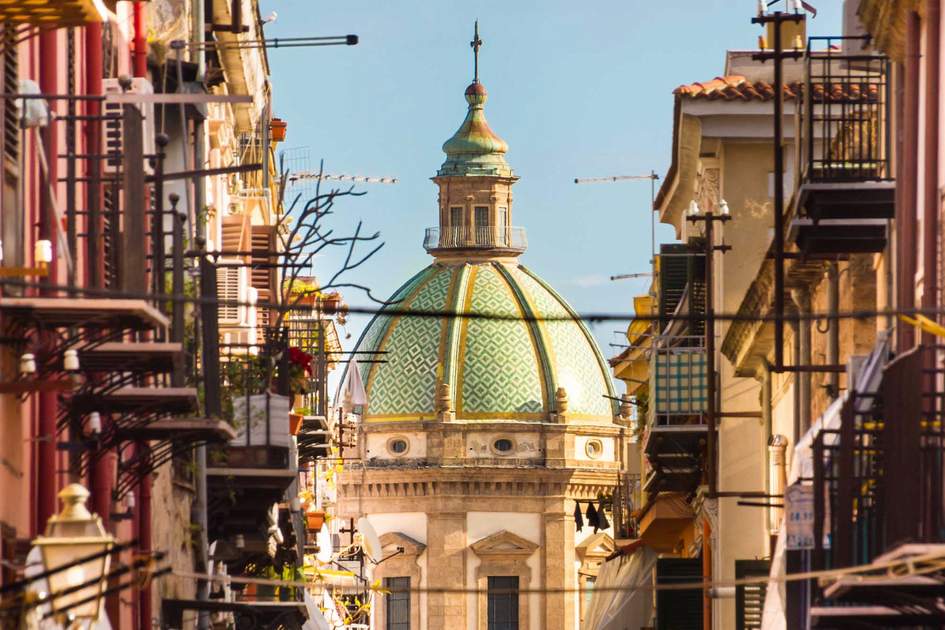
(277, 129)
(295, 423)
(314, 520)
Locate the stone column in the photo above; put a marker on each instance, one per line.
(559, 568)
(446, 568)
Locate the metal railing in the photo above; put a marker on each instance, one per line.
(846, 111)
(881, 473)
(480, 237)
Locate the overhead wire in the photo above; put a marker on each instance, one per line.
(918, 565)
(389, 310)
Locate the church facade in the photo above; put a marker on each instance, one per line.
(484, 432)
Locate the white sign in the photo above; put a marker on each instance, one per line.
(799, 517)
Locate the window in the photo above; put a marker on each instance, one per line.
(482, 225)
(502, 224)
(397, 446)
(503, 445)
(593, 448)
(456, 217)
(398, 603)
(503, 602)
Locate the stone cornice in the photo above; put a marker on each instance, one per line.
(511, 426)
(479, 482)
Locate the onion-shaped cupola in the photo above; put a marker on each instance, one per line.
(475, 182)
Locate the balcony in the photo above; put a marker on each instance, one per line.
(497, 239)
(676, 436)
(847, 194)
(879, 473)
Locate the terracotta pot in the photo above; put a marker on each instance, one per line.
(295, 423)
(277, 129)
(314, 520)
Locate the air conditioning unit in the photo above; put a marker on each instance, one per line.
(232, 282)
(113, 131)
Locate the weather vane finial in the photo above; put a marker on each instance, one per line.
(476, 44)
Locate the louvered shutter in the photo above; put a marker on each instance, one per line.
(228, 291)
(750, 598)
(678, 610)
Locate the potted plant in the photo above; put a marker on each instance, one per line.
(277, 129)
(314, 519)
(295, 422)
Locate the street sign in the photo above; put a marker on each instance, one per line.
(799, 517)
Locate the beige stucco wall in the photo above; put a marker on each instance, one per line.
(742, 441)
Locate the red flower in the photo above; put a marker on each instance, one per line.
(301, 359)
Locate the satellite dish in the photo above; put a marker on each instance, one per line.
(370, 542)
(325, 547)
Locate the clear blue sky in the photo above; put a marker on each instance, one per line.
(576, 89)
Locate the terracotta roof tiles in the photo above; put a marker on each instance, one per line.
(738, 88)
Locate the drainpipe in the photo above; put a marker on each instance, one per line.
(930, 235)
(47, 460)
(833, 328)
(907, 183)
(777, 480)
(140, 52)
(200, 502)
(801, 298)
(767, 431)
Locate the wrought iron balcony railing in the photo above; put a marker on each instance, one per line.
(508, 238)
(846, 111)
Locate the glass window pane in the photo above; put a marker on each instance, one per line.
(398, 603)
(503, 602)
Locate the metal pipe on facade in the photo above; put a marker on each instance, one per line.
(833, 330)
(45, 438)
(801, 298)
(144, 540)
(200, 454)
(907, 182)
(931, 205)
(140, 52)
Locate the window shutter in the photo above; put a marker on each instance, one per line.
(678, 610)
(228, 290)
(750, 598)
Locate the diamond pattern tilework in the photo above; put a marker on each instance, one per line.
(500, 369)
(375, 330)
(577, 365)
(405, 385)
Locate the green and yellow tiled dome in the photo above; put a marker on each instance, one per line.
(497, 368)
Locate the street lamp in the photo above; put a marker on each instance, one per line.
(71, 536)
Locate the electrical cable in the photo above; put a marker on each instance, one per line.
(441, 313)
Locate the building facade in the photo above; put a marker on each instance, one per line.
(483, 435)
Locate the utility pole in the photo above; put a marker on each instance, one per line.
(778, 55)
(709, 218)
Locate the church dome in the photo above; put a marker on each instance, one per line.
(507, 367)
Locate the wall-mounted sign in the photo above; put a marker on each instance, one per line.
(799, 517)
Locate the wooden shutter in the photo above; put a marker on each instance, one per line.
(235, 233)
(228, 289)
(264, 274)
(678, 610)
(750, 598)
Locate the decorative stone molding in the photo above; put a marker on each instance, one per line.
(404, 565)
(503, 554)
(444, 397)
(591, 553)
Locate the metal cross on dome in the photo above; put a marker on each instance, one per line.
(476, 44)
